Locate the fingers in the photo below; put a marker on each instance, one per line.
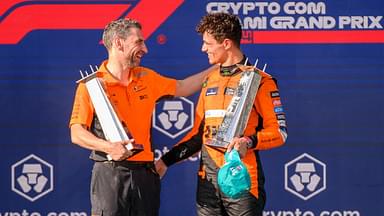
(230, 146)
(161, 168)
(119, 151)
(240, 145)
(233, 144)
(126, 142)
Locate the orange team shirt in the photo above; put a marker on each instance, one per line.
(133, 104)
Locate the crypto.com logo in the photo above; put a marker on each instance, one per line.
(305, 176)
(32, 177)
(173, 117)
(20, 17)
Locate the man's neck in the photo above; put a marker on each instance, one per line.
(233, 58)
(121, 72)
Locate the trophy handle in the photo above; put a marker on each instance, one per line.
(239, 109)
(110, 123)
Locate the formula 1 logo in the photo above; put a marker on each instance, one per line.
(305, 176)
(173, 117)
(32, 177)
(20, 17)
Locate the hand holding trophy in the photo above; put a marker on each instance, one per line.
(239, 109)
(110, 123)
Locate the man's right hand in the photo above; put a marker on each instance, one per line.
(118, 150)
(161, 168)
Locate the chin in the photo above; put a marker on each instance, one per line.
(135, 63)
(211, 62)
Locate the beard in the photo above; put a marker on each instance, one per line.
(133, 61)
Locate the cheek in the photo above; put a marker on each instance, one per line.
(215, 52)
(131, 50)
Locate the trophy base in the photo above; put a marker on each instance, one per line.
(217, 143)
(135, 148)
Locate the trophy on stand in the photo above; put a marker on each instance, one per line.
(110, 123)
(238, 111)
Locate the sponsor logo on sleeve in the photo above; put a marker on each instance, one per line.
(278, 109)
(275, 94)
(280, 117)
(276, 102)
(211, 91)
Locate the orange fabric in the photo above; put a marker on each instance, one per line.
(213, 101)
(133, 103)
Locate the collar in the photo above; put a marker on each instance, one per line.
(232, 69)
(108, 77)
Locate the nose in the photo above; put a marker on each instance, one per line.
(203, 48)
(144, 48)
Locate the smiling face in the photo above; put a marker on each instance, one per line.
(125, 42)
(215, 50)
(133, 48)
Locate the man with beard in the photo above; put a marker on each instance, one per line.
(266, 127)
(125, 185)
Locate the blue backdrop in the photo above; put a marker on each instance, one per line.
(327, 57)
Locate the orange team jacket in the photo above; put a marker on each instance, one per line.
(133, 104)
(266, 125)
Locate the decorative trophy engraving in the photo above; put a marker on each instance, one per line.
(110, 123)
(238, 111)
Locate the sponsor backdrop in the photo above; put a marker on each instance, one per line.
(327, 56)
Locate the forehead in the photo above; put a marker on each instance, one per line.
(207, 37)
(135, 34)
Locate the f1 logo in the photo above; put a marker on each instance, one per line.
(20, 17)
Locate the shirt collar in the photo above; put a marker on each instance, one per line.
(108, 77)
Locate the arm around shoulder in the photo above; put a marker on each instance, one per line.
(193, 83)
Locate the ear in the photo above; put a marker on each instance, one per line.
(227, 43)
(118, 43)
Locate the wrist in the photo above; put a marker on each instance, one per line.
(105, 146)
(248, 142)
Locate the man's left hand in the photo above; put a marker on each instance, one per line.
(240, 144)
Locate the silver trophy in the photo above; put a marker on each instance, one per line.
(110, 123)
(238, 111)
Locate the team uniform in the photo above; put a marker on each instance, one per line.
(266, 128)
(130, 187)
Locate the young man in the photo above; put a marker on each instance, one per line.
(125, 185)
(266, 127)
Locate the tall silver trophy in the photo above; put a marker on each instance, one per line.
(238, 111)
(110, 123)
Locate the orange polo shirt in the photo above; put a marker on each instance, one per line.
(133, 104)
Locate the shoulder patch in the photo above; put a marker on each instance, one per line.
(205, 83)
(211, 91)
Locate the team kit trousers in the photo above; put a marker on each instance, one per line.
(125, 188)
(211, 201)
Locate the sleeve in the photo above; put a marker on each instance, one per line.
(192, 142)
(163, 86)
(185, 149)
(272, 131)
(82, 112)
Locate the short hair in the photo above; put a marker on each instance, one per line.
(221, 26)
(120, 28)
